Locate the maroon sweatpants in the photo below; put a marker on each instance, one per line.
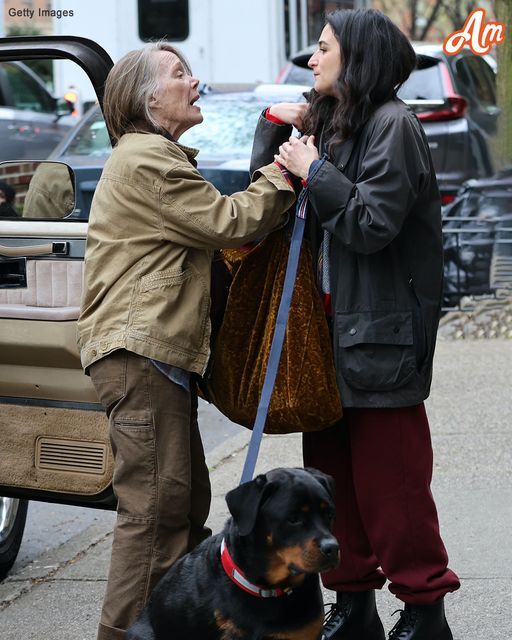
(386, 518)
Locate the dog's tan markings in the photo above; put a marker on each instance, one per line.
(307, 558)
(278, 569)
(312, 631)
(228, 629)
(313, 557)
(305, 508)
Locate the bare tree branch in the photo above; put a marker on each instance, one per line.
(414, 16)
(431, 19)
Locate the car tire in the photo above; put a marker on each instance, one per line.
(13, 514)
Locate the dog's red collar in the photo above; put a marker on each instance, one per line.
(238, 577)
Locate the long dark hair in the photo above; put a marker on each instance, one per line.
(377, 58)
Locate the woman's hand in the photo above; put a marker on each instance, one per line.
(290, 112)
(297, 155)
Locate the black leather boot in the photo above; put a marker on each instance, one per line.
(425, 622)
(354, 617)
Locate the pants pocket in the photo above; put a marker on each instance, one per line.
(133, 440)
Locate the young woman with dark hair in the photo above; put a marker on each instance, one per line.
(375, 224)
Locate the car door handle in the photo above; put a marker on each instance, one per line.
(52, 248)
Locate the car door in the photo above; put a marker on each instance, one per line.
(53, 434)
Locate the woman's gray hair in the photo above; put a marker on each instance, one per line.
(130, 85)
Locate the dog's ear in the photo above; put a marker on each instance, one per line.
(326, 481)
(244, 503)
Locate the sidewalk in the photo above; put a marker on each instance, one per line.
(470, 410)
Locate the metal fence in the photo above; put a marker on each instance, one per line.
(477, 257)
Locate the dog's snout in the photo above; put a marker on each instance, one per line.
(329, 548)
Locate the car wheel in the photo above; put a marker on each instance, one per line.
(13, 513)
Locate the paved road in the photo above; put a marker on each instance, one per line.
(51, 525)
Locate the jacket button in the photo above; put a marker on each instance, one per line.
(353, 331)
(94, 353)
(396, 329)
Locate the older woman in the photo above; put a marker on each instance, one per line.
(144, 324)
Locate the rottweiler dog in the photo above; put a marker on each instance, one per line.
(258, 579)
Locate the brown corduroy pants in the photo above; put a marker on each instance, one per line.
(160, 479)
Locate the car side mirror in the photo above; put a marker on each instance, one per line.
(36, 189)
(63, 108)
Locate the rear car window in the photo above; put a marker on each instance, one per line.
(483, 79)
(423, 84)
(298, 75)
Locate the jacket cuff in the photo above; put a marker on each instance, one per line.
(275, 175)
(271, 118)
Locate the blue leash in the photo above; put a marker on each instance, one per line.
(278, 337)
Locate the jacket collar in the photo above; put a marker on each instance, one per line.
(238, 577)
(141, 126)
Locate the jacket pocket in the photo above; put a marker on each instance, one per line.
(376, 349)
(171, 307)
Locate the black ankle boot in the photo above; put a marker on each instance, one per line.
(425, 622)
(354, 617)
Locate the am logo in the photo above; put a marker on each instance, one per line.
(479, 35)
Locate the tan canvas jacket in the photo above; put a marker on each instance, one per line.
(153, 227)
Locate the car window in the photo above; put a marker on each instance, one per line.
(42, 128)
(26, 92)
(483, 79)
(423, 84)
(91, 138)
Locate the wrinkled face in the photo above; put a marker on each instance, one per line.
(297, 520)
(326, 63)
(173, 104)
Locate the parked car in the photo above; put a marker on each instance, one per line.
(32, 121)
(54, 442)
(224, 139)
(454, 97)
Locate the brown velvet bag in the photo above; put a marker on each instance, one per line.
(305, 396)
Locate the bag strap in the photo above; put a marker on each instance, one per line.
(278, 337)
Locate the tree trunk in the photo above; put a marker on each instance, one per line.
(503, 145)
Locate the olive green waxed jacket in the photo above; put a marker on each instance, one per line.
(154, 225)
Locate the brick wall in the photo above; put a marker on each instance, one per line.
(18, 175)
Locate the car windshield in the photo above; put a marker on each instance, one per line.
(227, 130)
(229, 123)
